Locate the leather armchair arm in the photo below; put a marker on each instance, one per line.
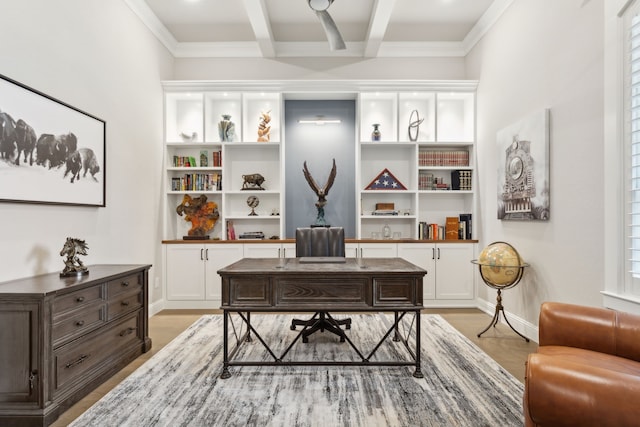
(590, 328)
(564, 393)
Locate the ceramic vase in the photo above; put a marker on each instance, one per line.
(226, 129)
(376, 135)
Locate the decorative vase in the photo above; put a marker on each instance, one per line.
(226, 129)
(376, 135)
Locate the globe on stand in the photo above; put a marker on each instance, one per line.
(501, 267)
(253, 202)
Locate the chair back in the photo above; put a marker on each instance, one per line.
(320, 241)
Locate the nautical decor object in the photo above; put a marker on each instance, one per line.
(72, 265)
(203, 216)
(264, 128)
(321, 192)
(226, 129)
(501, 267)
(414, 125)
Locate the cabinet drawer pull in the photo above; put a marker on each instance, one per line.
(80, 299)
(77, 362)
(124, 303)
(127, 331)
(80, 323)
(124, 284)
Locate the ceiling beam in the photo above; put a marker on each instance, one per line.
(380, 16)
(259, 18)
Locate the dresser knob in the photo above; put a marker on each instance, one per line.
(80, 299)
(80, 323)
(125, 284)
(124, 303)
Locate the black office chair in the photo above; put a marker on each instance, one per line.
(324, 242)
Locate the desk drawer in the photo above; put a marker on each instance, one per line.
(83, 358)
(402, 292)
(303, 292)
(124, 303)
(125, 284)
(78, 299)
(82, 321)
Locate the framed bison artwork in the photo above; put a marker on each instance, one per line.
(50, 152)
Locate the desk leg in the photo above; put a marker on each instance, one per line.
(248, 339)
(418, 372)
(396, 330)
(225, 370)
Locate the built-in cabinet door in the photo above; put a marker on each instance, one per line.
(19, 352)
(185, 271)
(262, 250)
(454, 271)
(422, 255)
(217, 257)
(269, 250)
(378, 250)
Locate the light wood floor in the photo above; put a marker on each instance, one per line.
(504, 346)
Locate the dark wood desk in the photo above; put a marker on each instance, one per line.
(357, 285)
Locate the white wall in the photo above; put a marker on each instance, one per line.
(97, 56)
(547, 54)
(319, 68)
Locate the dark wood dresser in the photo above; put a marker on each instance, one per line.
(62, 337)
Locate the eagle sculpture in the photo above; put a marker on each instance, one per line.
(321, 192)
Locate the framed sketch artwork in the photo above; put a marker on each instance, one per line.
(523, 169)
(50, 152)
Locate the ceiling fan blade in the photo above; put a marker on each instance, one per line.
(330, 28)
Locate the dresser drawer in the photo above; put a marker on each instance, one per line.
(124, 303)
(125, 284)
(83, 320)
(81, 359)
(77, 299)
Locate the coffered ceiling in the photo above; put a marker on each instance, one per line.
(290, 28)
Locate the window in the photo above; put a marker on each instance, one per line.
(631, 144)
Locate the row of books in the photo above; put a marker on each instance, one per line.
(455, 228)
(197, 182)
(191, 162)
(443, 158)
(460, 180)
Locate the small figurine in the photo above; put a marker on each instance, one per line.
(321, 192)
(202, 215)
(252, 182)
(264, 128)
(73, 266)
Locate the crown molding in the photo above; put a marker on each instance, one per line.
(484, 24)
(268, 48)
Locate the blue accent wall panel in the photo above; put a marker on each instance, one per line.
(318, 145)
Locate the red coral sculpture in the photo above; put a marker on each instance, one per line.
(203, 215)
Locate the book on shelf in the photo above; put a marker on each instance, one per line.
(204, 159)
(451, 228)
(446, 158)
(184, 161)
(197, 182)
(231, 233)
(252, 235)
(217, 158)
(461, 180)
(430, 231)
(465, 219)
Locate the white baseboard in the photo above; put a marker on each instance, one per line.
(156, 307)
(527, 329)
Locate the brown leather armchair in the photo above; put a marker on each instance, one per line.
(587, 368)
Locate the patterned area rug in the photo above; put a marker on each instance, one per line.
(181, 385)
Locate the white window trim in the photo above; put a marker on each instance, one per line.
(614, 240)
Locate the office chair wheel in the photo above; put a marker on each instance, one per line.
(305, 339)
(347, 326)
(341, 338)
(293, 327)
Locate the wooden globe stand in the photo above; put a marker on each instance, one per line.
(499, 306)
